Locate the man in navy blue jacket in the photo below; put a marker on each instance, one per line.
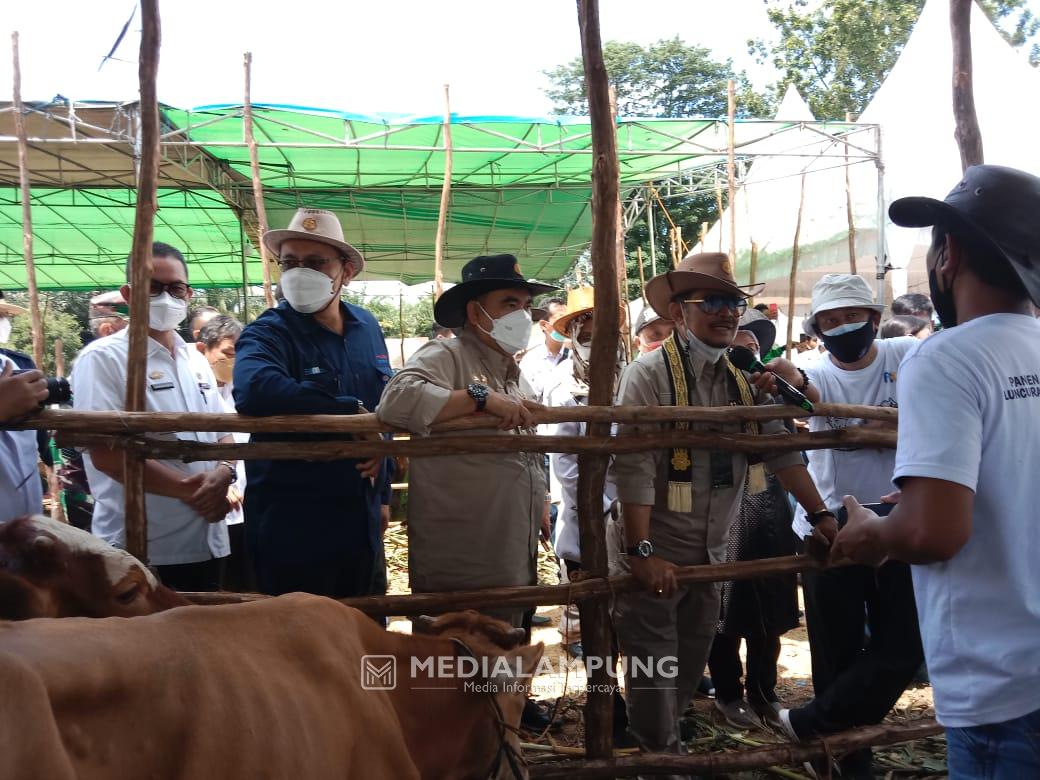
(314, 526)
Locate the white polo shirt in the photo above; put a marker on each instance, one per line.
(20, 491)
(181, 382)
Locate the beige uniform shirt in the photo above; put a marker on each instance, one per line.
(473, 520)
(642, 478)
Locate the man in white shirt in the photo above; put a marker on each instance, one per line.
(538, 365)
(186, 502)
(855, 685)
(966, 463)
(20, 489)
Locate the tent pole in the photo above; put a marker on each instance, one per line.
(794, 270)
(245, 271)
(680, 248)
(27, 230)
(442, 215)
(642, 278)
(966, 122)
(848, 205)
(731, 169)
(57, 510)
(753, 272)
(258, 187)
(881, 258)
(592, 469)
(141, 270)
(621, 229)
(718, 206)
(653, 229)
(400, 318)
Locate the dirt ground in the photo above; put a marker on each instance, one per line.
(562, 689)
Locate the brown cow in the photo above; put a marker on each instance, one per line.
(50, 569)
(267, 689)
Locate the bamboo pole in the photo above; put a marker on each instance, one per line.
(967, 133)
(53, 485)
(680, 247)
(794, 269)
(592, 469)
(442, 215)
(718, 206)
(848, 205)
(732, 761)
(574, 592)
(118, 422)
(731, 169)
(141, 271)
(652, 225)
(753, 271)
(27, 230)
(400, 320)
(642, 277)
(59, 358)
(258, 187)
(588, 445)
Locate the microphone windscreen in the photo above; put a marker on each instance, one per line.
(744, 359)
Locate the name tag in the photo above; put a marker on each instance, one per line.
(312, 371)
(204, 386)
(162, 386)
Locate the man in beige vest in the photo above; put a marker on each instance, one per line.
(678, 505)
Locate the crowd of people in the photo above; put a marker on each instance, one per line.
(935, 574)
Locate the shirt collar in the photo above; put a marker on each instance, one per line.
(179, 344)
(491, 357)
(308, 322)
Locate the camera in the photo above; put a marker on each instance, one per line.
(58, 389)
(880, 509)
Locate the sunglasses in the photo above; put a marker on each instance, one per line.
(713, 304)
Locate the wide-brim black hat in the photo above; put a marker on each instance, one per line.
(482, 275)
(997, 205)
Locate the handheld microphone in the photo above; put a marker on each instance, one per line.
(744, 359)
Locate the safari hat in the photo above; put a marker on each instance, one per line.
(580, 301)
(482, 275)
(704, 271)
(996, 204)
(315, 225)
(10, 309)
(765, 331)
(839, 291)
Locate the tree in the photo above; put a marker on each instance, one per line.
(665, 79)
(838, 53)
(57, 324)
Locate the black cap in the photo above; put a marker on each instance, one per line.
(998, 205)
(482, 275)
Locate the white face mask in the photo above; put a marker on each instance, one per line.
(841, 330)
(699, 348)
(307, 291)
(511, 332)
(5, 330)
(166, 312)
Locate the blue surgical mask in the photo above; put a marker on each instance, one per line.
(555, 336)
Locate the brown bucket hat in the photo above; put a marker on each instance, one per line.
(704, 271)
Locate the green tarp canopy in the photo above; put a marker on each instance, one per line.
(519, 185)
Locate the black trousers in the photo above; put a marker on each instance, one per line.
(201, 576)
(352, 574)
(857, 679)
(724, 663)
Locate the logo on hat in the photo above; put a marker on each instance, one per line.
(726, 267)
(310, 223)
(156, 375)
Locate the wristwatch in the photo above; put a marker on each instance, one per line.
(478, 393)
(642, 549)
(817, 516)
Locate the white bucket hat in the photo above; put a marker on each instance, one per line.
(839, 291)
(314, 225)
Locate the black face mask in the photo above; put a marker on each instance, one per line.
(942, 300)
(853, 345)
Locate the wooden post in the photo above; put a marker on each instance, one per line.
(848, 205)
(718, 206)
(652, 229)
(27, 232)
(400, 319)
(442, 215)
(53, 486)
(753, 271)
(141, 271)
(624, 333)
(595, 615)
(642, 278)
(258, 187)
(680, 247)
(794, 270)
(59, 358)
(731, 171)
(967, 133)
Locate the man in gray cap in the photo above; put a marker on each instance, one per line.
(966, 462)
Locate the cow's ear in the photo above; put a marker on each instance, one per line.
(529, 656)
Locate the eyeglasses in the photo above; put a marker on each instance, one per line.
(313, 262)
(713, 304)
(175, 289)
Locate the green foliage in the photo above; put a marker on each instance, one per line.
(837, 53)
(665, 79)
(417, 316)
(57, 324)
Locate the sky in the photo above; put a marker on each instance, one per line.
(392, 56)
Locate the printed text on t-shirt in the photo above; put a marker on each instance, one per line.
(1022, 386)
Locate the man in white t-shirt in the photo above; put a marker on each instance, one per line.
(967, 462)
(186, 502)
(854, 684)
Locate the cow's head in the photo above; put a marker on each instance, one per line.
(507, 669)
(50, 569)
